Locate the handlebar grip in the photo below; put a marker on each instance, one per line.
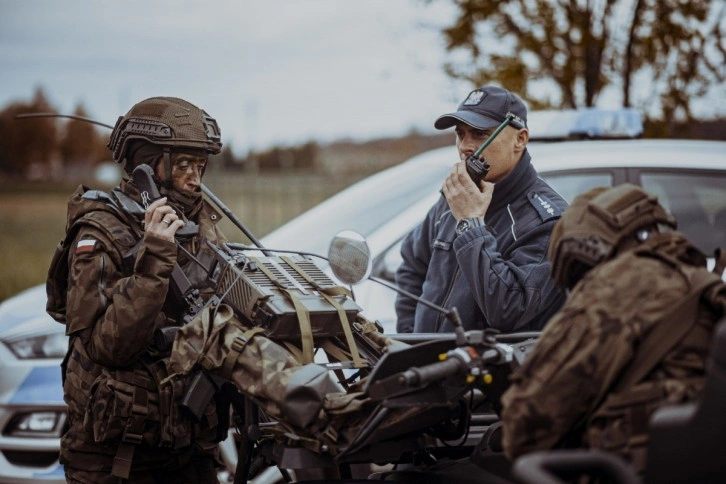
(424, 375)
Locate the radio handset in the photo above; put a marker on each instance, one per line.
(143, 177)
(477, 167)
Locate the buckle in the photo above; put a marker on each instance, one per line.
(132, 438)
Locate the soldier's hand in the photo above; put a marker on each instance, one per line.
(161, 221)
(464, 197)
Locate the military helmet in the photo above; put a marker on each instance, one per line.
(597, 223)
(165, 121)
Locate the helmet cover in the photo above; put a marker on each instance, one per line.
(165, 121)
(596, 224)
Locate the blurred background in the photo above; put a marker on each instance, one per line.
(313, 96)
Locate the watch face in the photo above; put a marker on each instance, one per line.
(462, 226)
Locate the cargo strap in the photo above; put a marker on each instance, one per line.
(303, 315)
(328, 293)
(134, 431)
(236, 349)
(668, 333)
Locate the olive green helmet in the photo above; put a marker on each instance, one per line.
(168, 122)
(597, 223)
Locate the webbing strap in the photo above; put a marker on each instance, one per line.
(236, 348)
(134, 431)
(294, 350)
(668, 332)
(336, 352)
(328, 293)
(303, 315)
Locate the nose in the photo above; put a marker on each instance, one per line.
(467, 144)
(195, 174)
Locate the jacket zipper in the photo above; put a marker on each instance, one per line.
(440, 317)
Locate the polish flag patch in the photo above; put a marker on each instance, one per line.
(86, 245)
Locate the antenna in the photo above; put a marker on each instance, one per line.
(56, 115)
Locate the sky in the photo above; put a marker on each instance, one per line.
(272, 72)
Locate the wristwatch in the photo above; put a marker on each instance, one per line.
(466, 223)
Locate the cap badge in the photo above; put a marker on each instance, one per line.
(475, 97)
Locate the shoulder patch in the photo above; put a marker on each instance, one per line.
(85, 245)
(546, 209)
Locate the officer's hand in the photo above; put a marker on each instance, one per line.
(465, 198)
(161, 221)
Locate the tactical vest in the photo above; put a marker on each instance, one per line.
(130, 406)
(620, 422)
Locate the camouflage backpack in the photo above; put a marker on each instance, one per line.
(620, 421)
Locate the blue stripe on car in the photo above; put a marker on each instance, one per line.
(42, 385)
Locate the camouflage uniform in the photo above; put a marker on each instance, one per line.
(563, 392)
(115, 308)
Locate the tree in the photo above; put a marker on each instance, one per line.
(583, 46)
(25, 142)
(80, 143)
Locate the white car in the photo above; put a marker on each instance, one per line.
(688, 176)
(32, 410)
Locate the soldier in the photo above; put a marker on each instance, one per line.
(483, 248)
(116, 300)
(633, 334)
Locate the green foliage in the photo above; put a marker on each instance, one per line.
(582, 46)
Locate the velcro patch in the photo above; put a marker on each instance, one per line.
(85, 245)
(544, 207)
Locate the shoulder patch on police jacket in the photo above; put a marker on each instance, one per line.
(546, 209)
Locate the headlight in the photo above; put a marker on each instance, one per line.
(36, 424)
(43, 346)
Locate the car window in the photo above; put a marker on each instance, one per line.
(697, 200)
(569, 185)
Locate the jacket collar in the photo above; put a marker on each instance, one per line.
(515, 184)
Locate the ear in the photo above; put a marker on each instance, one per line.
(521, 140)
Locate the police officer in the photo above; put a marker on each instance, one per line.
(633, 335)
(120, 303)
(482, 249)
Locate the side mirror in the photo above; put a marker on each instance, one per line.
(350, 257)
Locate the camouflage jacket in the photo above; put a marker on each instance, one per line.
(118, 296)
(590, 342)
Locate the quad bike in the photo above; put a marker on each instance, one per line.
(435, 402)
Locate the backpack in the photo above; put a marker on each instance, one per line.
(620, 421)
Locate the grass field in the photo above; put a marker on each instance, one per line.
(32, 216)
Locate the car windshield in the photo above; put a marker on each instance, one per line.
(367, 205)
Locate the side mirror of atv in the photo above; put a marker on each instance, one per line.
(350, 257)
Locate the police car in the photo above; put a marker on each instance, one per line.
(689, 178)
(32, 411)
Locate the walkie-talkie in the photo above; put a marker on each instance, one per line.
(143, 178)
(476, 167)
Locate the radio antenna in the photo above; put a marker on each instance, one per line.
(56, 115)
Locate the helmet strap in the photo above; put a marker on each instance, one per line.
(169, 181)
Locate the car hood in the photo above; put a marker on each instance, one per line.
(26, 312)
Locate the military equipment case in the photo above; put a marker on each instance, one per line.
(270, 292)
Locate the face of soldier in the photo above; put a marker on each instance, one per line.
(186, 171)
(502, 154)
